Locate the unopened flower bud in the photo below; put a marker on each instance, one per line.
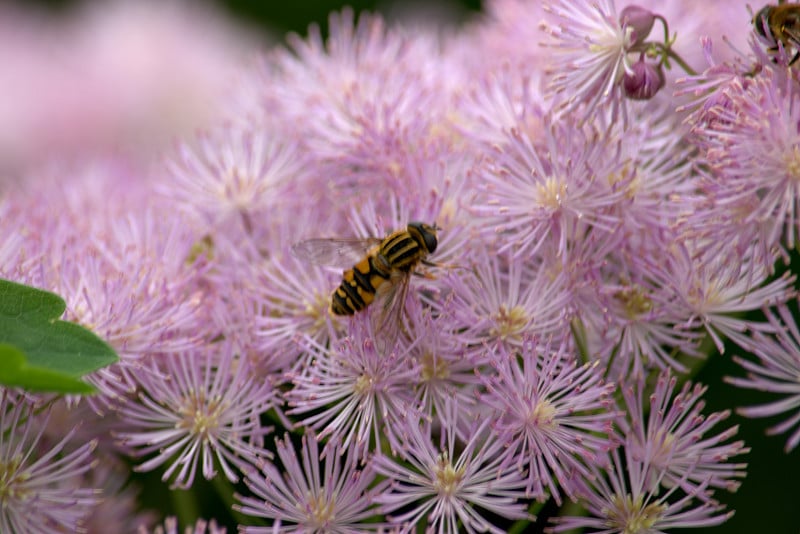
(644, 81)
(639, 20)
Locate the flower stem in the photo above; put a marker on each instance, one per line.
(680, 61)
(184, 504)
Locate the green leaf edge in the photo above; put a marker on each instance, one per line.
(15, 372)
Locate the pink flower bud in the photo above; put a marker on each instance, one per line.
(644, 81)
(640, 20)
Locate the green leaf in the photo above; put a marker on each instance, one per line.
(15, 371)
(38, 351)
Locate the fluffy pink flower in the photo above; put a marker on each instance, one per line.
(354, 391)
(589, 59)
(550, 187)
(508, 298)
(328, 492)
(127, 75)
(752, 147)
(446, 368)
(632, 319)
(671, 433)
(775, 370)
(197, 411)
(238, 179)
(42, 488)
(291, 300)
(624, 496)
(363, 100)
(553, 414)
(451, 480)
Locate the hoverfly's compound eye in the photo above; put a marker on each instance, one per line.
(425, 234)
(761, 21)
(431, 241)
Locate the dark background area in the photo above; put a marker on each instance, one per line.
(281, 18)
(297, 18)
(766, 501)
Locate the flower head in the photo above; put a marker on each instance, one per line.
(711, 289)
(354, 388)
(291, 300)
(329, 492)
(622, 498)
(196, 411)
(752, 147)
(449, 481)
(499, 101)
(508, 299)
(775, 370)
(551, 187)
(675, 438)
(591, 44)
(41, 487)
(632, 319)
(236, 178)
(552, 413)
(362, 100)
(445, 369)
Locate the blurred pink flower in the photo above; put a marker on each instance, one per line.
(170, 526)
(128, 75)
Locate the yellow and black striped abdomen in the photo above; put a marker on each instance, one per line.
(359, 285)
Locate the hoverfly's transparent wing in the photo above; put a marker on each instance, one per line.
(387, 320)
(336, 252)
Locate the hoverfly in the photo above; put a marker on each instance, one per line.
(382, 272)
(783, 23)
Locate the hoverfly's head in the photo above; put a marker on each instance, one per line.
(761, 22)
(424, 235)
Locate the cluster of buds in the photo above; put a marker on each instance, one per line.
(644, 78)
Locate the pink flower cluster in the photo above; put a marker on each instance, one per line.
(603, 211)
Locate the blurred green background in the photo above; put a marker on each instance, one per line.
(766, 501)
(296, 18)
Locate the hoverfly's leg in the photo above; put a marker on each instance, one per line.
(422, 273)
(441, 265)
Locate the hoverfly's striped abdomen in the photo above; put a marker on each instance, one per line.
(359, 285)
(399, 252)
